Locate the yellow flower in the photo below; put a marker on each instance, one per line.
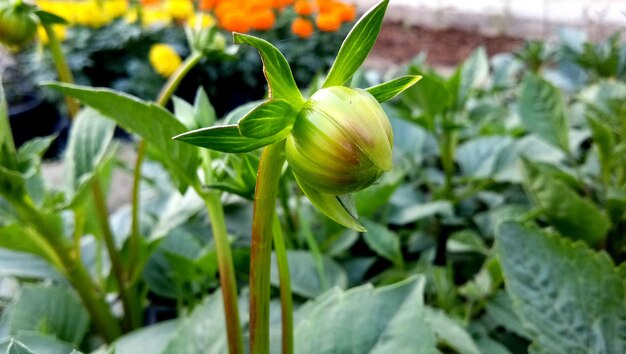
(59, 31)
(179, 9)
(201, 20)
(155, 16)
(164, 59)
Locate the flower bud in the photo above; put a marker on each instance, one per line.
(341, 141)
(18, 24)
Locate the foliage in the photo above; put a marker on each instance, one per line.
(500, 228)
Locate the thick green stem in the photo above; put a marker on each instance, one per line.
(78, 275)
(286, 300)
(224, 259)
(75, 271)
(131, 319)
(268, 177)
(164, 96)
(172, 83)
(227, 272)
(65, 74)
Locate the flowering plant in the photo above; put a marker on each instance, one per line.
(108, 42)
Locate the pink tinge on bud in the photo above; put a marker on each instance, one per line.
(341, 141)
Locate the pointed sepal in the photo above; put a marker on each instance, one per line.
(339, 208)
(267, 119)
(225, 138)
(356, 46)
(390, 89)
(276, 68)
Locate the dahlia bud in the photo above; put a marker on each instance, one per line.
(341, 141)
(18, 24)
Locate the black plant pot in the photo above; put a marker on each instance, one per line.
(30, 117)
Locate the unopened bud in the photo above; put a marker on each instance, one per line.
(18, 24)
(341, 141)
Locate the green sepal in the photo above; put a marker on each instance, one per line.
(276, 69)
(268, 119)
(49, 18)
(339, 208)
(390, 89)
(356, 46)
(225, 138)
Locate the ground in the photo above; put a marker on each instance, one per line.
(398, 44)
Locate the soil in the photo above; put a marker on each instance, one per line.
(398, 44)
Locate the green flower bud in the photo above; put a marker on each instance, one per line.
(341, 141)
(18, 24)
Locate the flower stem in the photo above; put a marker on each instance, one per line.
(227, 272)
(74, 270)
(268, 178)
(286, 300)
(131, 319)
(77, 274)
(224, 258)
(65, 74)
(164, 96)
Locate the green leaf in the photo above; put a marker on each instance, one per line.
(569, 213)
(604, 142)
(150, 339)
(407, 215)
(499, 311)
(23, 239)
(16, 347)
(39, 343)
(386, 320)
(176, 211)
(275, 117)
(431, 95)
(226, 138)
(277, 72)
(203, 110)
(52, 310)
(203, 331)
(89, 139)
(543, 112)
(147, 119)
(570, 298)
(50, 18)
(474, 72)
(183, 111)
(305, 277)
(372, 199)
(479, 157)
(384, 242)
(356, 46)
(26, 266)
(450, 332)
(390, 89)
(335, 207)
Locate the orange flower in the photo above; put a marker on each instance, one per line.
(236, 21)
(348, 13)
(263, 20)
(150, 2)
(224, 8)
(325, 5)
(279, 4)
(328, 22)
(206, 5)
(303, 8)
(302, 27)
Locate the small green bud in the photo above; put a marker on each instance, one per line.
(18, 24)
(341, 141)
